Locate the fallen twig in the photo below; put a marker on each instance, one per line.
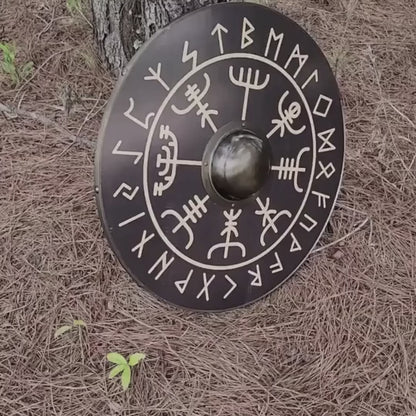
(333, 243)
(18, 112)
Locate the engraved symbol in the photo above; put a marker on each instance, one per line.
(326, 145)
(194, 212)
(275, 38)
(321, 199)
(164, 263)
(126, 195)
(168, 161)
(246, 82)
(142, 124)
(248, 28)
(229, 230)
(315, 75)
(276, 267)
(257, 277)
(270, 216)
(312, 223)
(218, 29)
(186, 56)
(182, 284)
(233, 286)
(287, 118)
(327, 170)
(195, 97)
(117, 151)
(156, 76)
(301, 60)
(129, 220)
(289, 169)
(205, 288)
(322, 112)
(139, 248)
(295, 246)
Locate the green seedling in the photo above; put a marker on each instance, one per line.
(123, 366)
(76, 7)
(9, 65)
(63, 329)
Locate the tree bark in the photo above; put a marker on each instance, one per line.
(122, 26)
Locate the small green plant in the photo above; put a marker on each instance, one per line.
(123, 366)
(65, 328)
(9, 66)
(76, 7)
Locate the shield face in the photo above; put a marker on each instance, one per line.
(220, 156)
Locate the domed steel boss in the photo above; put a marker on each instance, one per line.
(220, 156)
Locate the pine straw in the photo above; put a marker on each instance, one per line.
(338, 339)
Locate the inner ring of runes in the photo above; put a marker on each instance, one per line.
(193, 105)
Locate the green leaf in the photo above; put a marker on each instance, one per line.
(15, 78)
(70, 5)
(79, 322)
(8, 68)
(116, 370)
(60, 331)
(134, 359)
(73, 5)
(125, 378)
(9, 51)
(26, 69)
(116, 358)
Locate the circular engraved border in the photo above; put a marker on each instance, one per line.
(236, 55)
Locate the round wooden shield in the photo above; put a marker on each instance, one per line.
(220, 156)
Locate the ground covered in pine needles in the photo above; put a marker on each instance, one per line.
(338, 339)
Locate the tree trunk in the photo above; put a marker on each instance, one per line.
(122, 26)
